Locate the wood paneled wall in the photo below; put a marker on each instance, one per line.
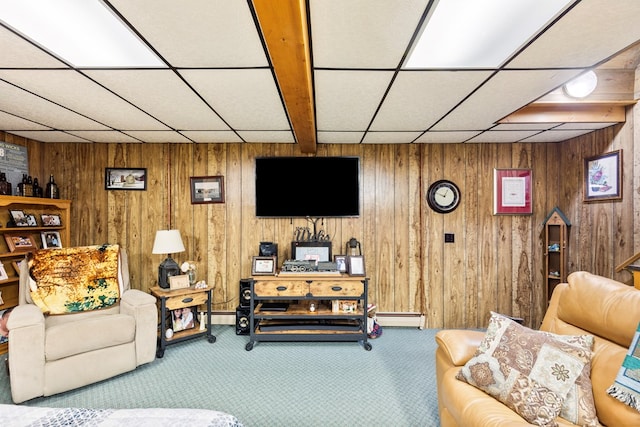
(496, 262)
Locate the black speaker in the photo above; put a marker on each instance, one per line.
(245, 292)
(242, 321)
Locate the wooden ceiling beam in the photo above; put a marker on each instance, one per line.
(285, 31)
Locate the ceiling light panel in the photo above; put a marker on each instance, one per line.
(584, 36)
(63, 87)
(479, 34)
(503, 94)
(245, 99)
(162, 94)
(362, 33)
(31, 107)
(198, 33)
(418, 99)
(84, 33)
(347, 100)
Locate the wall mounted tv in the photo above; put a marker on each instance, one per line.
(316, 187)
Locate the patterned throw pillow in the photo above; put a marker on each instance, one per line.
(531, 372)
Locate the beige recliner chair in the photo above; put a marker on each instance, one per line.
(49, 354)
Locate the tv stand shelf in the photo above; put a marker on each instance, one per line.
(298, 322)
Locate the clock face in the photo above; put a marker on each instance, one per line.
(443, 196)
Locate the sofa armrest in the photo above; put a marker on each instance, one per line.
(142, 307)
(458, 344)
(26, 352)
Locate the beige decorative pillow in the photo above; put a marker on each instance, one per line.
(531, 372)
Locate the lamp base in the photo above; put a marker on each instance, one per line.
(167, 268)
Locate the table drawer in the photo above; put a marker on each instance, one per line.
(281, 289)
(186, 300)
(336, 289)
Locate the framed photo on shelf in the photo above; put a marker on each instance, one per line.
(512, 192)
(125, 179)
(263, 265)
(355, 265)
(50, 220)
(31, 220)
(50, 239)
(3, 273)
(207, 189)
(182, 319)
(603, 177)
(19, 218)
(314, 250)
(16, 266)
(341, 263)
(20, 242)
(180, 281)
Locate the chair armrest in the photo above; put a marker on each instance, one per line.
(459, 345)
(142, 307)
(25, 315)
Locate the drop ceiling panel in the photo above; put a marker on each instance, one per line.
(417, 99)
(63, 86)
(492, 136)
(245, 99)
(276, 137)
(555, 135)
(504, 93)
(339, 137)
(206, 136)
(589, 33)
(449, 137)
(158, 136)
(525, 126)
(197, 33)
(48, 136)
(103, 136)
(18, 53)
(36, 109)
(390, 137)
(362, 33)
(162, 94)
(9, 122)
(347, 100)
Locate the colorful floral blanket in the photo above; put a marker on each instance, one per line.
(69, 280)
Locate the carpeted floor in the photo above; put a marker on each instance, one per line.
(279, 384)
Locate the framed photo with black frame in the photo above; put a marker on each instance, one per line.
(125, 179)
(183, 319)
(18, 218)
(341, 263)
(312, 250)
(50, 220)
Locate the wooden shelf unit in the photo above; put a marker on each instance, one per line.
(30, 205)
(556, 238)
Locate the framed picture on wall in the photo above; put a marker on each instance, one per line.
(512, 192)
(207, 189)
(603, 177)
(125, 179)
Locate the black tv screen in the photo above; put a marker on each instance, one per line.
(317, 187)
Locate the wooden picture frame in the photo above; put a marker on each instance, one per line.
(263, 266)
(125, 179)
(512, 192)
(180, 281)
(207, 189)
(50, 240)
(341, 263)
(50, 220)
(20, 242)
(16, 266)
(355, 265)
(602, 177)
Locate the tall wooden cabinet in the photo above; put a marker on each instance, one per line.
(556, 232)
(8, 257)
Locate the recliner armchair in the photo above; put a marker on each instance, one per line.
(49, 354)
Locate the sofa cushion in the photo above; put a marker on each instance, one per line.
(69, 280)
(531, 372)
(90, 333)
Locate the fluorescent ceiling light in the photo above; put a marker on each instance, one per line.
(582, 86)
(479, 34)
(85, 33)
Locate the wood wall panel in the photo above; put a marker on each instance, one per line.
(496, 262)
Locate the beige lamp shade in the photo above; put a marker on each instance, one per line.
(168, 242)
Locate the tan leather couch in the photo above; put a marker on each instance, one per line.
(587, 304)
(52, 354)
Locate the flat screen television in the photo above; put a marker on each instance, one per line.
(316, 187)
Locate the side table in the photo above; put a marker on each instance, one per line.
(181, 298)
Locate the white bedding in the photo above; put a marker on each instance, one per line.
(19, 415)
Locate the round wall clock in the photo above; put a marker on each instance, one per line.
(443, 196)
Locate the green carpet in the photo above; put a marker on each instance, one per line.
(279, 384)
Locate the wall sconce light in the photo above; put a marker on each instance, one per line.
(167, 242)
(582, 86)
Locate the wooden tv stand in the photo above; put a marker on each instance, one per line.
(295, 321)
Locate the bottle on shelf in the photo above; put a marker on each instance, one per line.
(28, 187)
(37, 190)
(5, 186)
(52, 189)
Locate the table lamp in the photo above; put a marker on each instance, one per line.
(167, 242)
